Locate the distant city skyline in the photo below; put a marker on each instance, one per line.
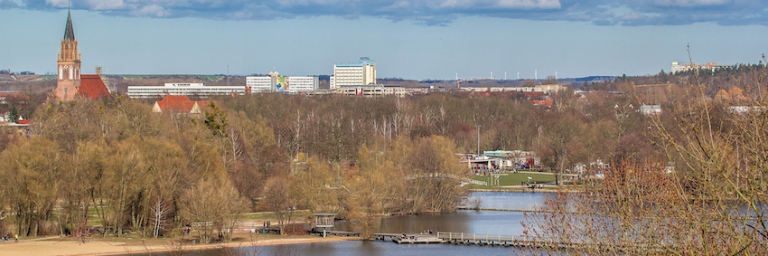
(407, 39)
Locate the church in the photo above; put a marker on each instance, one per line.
(70, 83)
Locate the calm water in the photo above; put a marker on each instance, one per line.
(509, 200)
(483, 222)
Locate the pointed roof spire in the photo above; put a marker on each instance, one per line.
(69, 33)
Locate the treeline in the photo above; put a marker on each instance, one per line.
(740, 75)
(115, 164)
(133, 170)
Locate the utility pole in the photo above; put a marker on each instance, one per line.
(478, 140)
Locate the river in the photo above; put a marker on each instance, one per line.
(482, 222)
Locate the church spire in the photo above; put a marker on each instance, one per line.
(69, 33)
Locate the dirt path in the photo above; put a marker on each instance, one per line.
(50, 246)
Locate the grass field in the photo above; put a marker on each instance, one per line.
(514, 179)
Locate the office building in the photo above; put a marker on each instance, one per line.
(186, 89)
(354, 74)
(287, 84)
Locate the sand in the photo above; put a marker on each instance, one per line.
(57, 246)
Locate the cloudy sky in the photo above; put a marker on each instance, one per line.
(414, 39)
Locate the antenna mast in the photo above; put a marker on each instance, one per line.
(458, 82)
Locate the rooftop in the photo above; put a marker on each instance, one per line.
(176, 104)
(92, 86)
(69, 31)
(358, 64)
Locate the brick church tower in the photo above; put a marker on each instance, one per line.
(69, 65)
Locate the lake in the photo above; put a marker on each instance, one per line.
(483, 222)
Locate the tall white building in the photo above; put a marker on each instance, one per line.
(354, 74)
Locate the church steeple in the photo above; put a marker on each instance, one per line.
(69, 64)
(69, 32)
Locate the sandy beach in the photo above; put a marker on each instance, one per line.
(54, 246)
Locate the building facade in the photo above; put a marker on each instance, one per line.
(371, 90)
(710, 66)
(303, 83)
(276, 83)
(354, 74)
(186, 89)
(259, 84)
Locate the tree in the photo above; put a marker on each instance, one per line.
(373, 186)
(311, 187)
(557, 142)
(435, 175)
(13, 115)
(277, 199)
(214, 205)
(529, 83)
(32, 172)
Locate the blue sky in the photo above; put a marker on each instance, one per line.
(419, 39)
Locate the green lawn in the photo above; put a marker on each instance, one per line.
(514, 179)
(270, 215)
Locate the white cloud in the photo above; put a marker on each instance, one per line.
(691, 3)
(507, 4)
(438, 12)
(152, 11)
(106, 4)
(57, 3)
(632, 16)
(530, 4)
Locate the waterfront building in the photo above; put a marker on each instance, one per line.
(186, 89)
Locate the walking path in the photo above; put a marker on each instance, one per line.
(55, 246)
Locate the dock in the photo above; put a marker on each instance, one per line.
(456, 238)
(418, 239)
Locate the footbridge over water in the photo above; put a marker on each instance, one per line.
(457, 238)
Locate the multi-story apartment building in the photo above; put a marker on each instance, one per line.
(276, 83)
(354, 74)
(303, 83)
(259, 83)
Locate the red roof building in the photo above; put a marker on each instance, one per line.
(546, 103)
(69, 80)
(179, 104)
(92, 87)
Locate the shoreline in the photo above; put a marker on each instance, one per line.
(56, 246)
(525, 190)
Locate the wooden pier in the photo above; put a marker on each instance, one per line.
(499, 240)
(487, 239)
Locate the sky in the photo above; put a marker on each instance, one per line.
(410, 39)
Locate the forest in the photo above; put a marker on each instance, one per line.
(115, 164)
